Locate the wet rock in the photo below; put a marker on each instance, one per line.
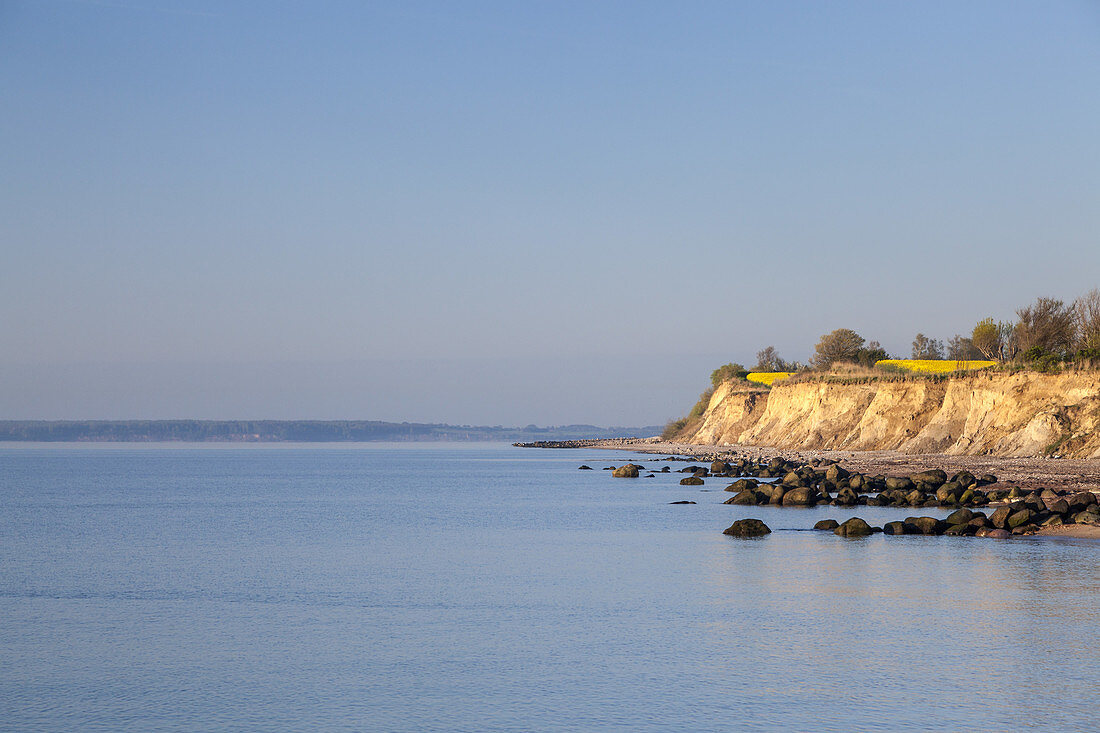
(691, 481)
(847, 497)
(627, 471)
(747, 528)
(835, 473)
(681, 502)
(894, 528)
(742, 484)
(959, 516)
(585, 468)
(720, 467)
(854, 527)
(746, 497)
(927, 525)
(827, 524)
(916, 497)
(998, 534)
(800, 496)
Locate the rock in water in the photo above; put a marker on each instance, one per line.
(799, 497)
(681, 502)
(627, 471)
(747, 528)
(827, 524)
(585, 468)
(691, 481)
(894, 528)
(854, 527)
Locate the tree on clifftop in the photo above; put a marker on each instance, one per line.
(726, 373)
(767, 360)
(842, 344)
(1048, 325)
(926, 348)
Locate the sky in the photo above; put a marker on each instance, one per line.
(512, 213)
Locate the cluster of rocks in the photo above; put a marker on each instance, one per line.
(1026, 516)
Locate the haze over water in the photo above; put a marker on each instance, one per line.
(484, 587)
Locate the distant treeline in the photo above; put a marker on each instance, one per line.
(314, 431)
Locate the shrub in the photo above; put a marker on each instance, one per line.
(842, 344)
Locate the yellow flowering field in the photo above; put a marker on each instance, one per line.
(767, 377)
(935, 366)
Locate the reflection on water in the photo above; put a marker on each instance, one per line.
(490, 588)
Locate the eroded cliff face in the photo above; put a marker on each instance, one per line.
(1024, 414)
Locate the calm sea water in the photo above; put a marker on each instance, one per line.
(490, 588)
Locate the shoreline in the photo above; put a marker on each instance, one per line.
(1027, 473)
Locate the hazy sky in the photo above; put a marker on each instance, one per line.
(516, 212)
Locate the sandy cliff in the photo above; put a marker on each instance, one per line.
(1023, 414)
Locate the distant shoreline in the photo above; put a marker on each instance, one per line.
(278, 431)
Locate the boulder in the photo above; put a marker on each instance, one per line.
(800, 496)
(916, 498)
(847, 497)
(902, 483)
(998, 534)
(1081, 501)
(986, 479)
(999, 518)
(1019, 518)
(949, 493)
(585, 468)
(792, 479)
(827, 524)
(747, 528)
(627, 471)
(720, 467)
(894, 528)
(964, 478)
(935, 477)
(854, 527)
(1057, 506)
(742, 484)
(927, 525)
(692, 481)
(746, 497)
(979, 520)
(835, 473)
(959, 516)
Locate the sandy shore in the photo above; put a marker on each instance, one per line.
(1027, 473)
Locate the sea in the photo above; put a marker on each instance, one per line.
(483, 587)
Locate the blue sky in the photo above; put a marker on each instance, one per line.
(308, 209)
